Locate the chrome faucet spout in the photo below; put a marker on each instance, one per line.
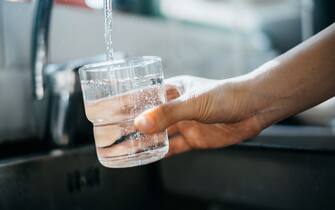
(40, 45)
(55, 86)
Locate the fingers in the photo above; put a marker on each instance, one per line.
(174, 88)
(188, 135)
(117, 108)
(120, 107)
(172, 92)
(173, 130)
(178, 144)
(165, 115)
(193, 105)
(175, 84)
(107, 135)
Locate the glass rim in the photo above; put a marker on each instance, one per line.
(101, 66)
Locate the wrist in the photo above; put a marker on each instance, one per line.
(269, 103)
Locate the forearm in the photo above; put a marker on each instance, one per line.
(295, 81)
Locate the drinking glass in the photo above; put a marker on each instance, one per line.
(115, 92)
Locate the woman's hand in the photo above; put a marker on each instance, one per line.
(194, 102)
(189, 135)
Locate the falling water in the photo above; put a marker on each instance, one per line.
(108, 28)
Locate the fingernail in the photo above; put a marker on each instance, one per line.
(144, 123)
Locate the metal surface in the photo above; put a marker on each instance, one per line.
(40, 44)
(73, 179)
(295, 138)
(286, 167)
(268, 178)
(66, 109)
(323, 114)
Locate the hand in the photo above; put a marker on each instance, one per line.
(194, 102)
(188, 135)
(295, 81)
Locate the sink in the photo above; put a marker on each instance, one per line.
(73, 179)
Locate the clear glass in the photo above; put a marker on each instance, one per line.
(115, 93)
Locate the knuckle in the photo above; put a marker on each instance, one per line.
(193, 132)
(195, 136)
(255, 128)
(252, 128)
(165, 115)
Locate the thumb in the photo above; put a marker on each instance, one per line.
(161, 117)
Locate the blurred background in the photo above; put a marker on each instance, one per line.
(47, 157)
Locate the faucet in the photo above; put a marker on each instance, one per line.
(58, 84)
(40, 45)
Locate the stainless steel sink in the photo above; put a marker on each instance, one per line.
(73, 179)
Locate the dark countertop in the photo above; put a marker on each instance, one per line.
(295, 137)
(283, 168)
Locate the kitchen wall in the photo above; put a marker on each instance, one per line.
(185, 48)
(16, 106)
(17, 20)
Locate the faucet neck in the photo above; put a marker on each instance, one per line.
(40, 45)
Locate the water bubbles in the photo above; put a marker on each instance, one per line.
(95, 89)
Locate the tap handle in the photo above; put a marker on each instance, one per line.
(39, 45)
